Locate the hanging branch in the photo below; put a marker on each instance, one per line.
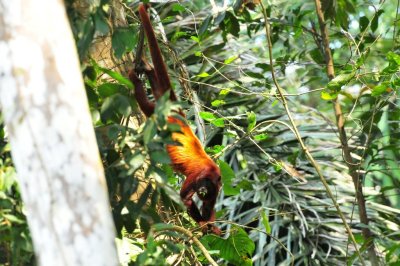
(340, 122)
(299, 138)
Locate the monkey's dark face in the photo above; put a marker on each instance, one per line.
(207, 188)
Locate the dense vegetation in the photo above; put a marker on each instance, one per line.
(273, 208)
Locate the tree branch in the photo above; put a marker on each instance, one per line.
(340, 122)
(299, 138)
(192, 237)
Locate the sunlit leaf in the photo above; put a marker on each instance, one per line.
(227, 175)
(219, 122)
(203, 75)
(217, 103)
(207, 116)
(251, 121)
(265, 220)
(230, 59)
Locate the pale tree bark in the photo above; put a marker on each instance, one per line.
(53, 145)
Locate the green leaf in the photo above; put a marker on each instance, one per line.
(100, 22)
(90, 72)
(204, 25)
(143, 198)
(328, 95)
(261, 137)
(163, 107)
(362, 58)
(317, 56)
(113, 131)
(364, 21)
(394, 64)
(92, 96)
(178, 35)
(219, 122)
(224, 91)
(85, 37)
(231, 24)
(227, 175)
(274, 103)
(168, 19)
(237, 249)
(195, 38)
(12, 218)
(255, 75)
(380, 89)
(220, 17)
(136, 161)
(203, 75)
(7, 178)
(359, 238)
(265, 221)
(207, 116)
(278, 167)
(375, 20)
(123, 40)
(150, 130)
(230, 59)
(396, 82)
(217, 103)
(162, 226)
(178, 8)
(343, 78)
(116, 104)
(160, 157)
(107, 89)
(216, 149)
(393, 58)
(251, 120)
(340, 80)
(264, 67)
(117, 76)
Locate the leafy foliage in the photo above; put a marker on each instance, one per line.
(272, 207)
(236, 249)
(15, 242)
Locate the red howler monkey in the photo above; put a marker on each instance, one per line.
(189, 158)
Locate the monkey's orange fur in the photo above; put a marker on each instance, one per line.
(189, 158)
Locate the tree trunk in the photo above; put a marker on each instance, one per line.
(52, 139)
